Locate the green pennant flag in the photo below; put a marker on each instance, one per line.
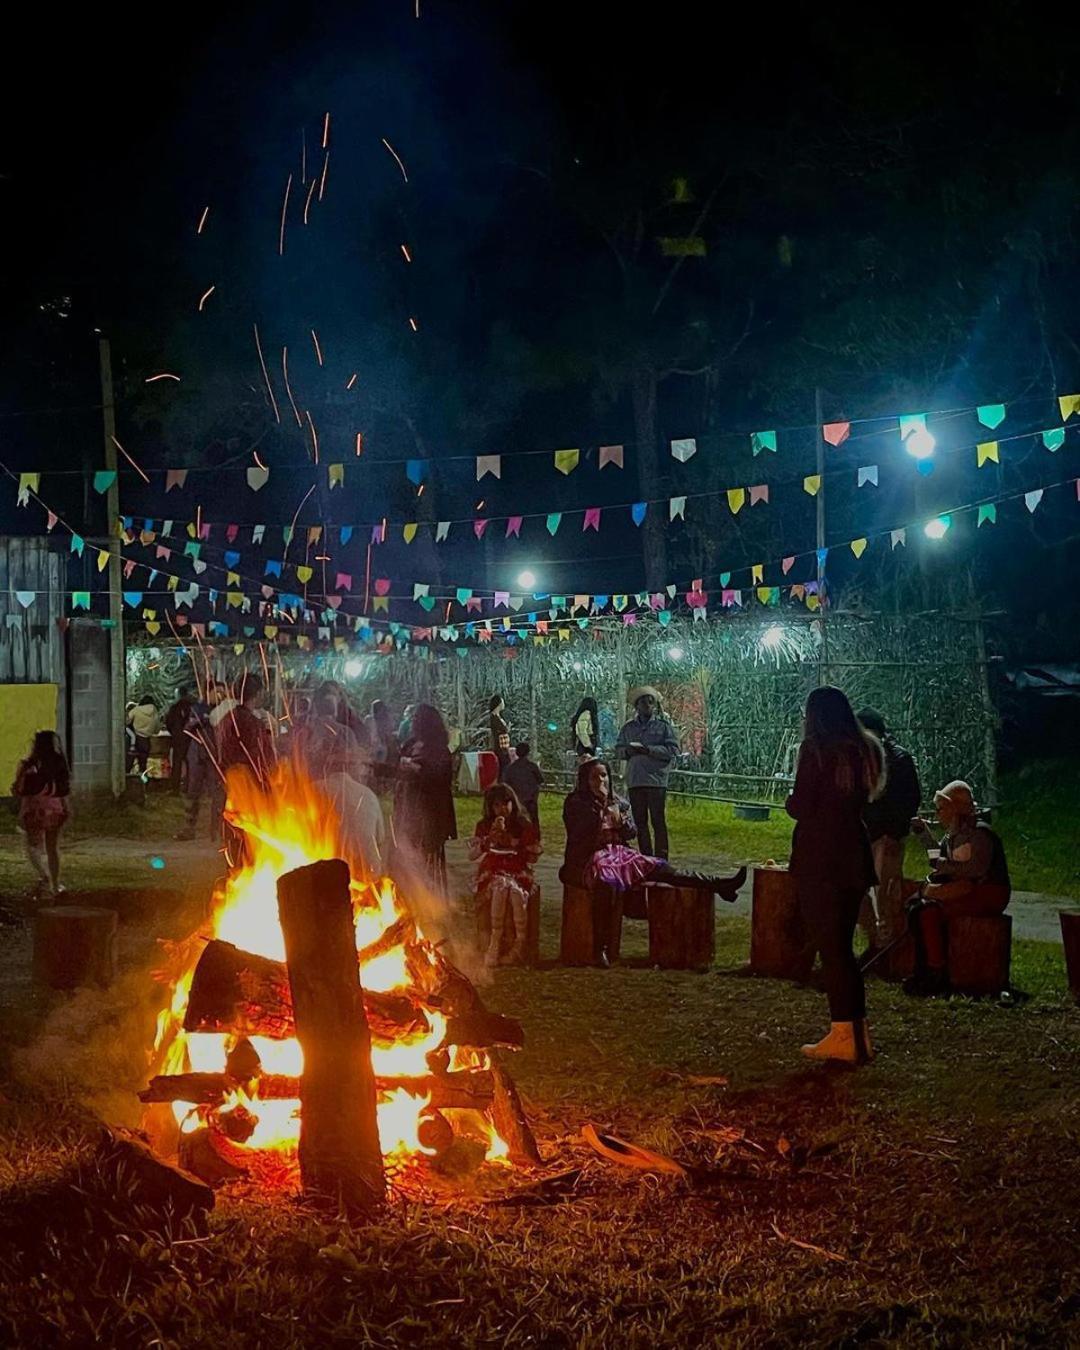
(553, 522)
(1054, 439)
(991, 414)
(762, 440)
(987, 512)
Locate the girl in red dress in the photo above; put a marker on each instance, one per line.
(505, 845)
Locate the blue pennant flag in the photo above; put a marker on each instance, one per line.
(346, 533)
(231, 558)
(637, 512)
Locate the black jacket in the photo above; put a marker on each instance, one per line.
(892, 812)
(830, 843)
(583, 817)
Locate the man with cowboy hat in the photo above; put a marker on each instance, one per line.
(647, 743)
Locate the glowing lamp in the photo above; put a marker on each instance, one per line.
(527, 580)
(937, 528)
(353, 668)
(919, 443)
(675, 653)
(772, 637)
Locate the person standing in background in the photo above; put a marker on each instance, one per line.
(42, 786)
(888, 822)
(424, 817)
(840, 768)
(525, 778)
(500, 731)
(176, 721)
(202, 771)
(144, 722)
(585, 730)
(647, 743)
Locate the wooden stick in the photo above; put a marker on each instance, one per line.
(466, 1088)
(340, 1154)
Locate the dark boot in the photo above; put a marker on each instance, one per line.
(727, 888)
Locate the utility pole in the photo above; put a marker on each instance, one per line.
(819, 501)
(117, 673)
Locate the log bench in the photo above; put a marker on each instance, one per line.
(578, 939)
(979, 948)
(682, 925)
(778, 942)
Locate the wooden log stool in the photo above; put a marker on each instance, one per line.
(778, 942)
(579, 940)
(1070, 937)
(682, 927)
(978, 949)
(74, 945)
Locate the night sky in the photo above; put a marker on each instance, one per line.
(889, 215)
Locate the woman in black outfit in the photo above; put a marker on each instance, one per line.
(840, 768)
(500, 732)
(424, 817)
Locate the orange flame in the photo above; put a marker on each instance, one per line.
(290, 824)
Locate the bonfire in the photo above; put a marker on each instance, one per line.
(227, 1057)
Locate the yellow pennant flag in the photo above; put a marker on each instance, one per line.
(314, 534)
(757, 573)
(270, 631)
(381, 604)
(172, 583)
(735, 499)
(102, 559)
(304, 574)
(238, 648)
(1069, 404)
(812, 484)
(340, 644)
(812, 602)
(234, 599)
(233, 579)
(985, 452)
(566, 461)
(764, 594)
(858, 547)
(408, 533)
(564, 634)
(191, 530)
(153, 628)
(336, 474)
(149, 613)
(304, 643)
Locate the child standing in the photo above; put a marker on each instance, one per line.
(505, 845)
(42, 785)
(524, 776)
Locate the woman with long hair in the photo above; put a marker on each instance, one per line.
(43, 785)
(585, 730)
(599, 857)
(841, 767)
(424, 817)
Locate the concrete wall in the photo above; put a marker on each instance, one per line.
(88, 692)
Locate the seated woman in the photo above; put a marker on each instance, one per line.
(970, 877)
(505, 844)
(600, 860)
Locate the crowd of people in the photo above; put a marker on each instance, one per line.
(855, 801)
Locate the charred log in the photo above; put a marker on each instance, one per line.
(482, 1030)
(473, 1089)
(508, 1117)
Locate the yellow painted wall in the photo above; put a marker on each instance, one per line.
(24, 709)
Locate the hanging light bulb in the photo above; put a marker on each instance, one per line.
(937, 528)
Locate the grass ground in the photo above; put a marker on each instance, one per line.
(932, 1198)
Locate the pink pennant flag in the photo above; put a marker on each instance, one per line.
(333, 601)
(343, 582)
(198, 629)
(204, 530)
(629, 619)
(267, 592)
(836, 433)
(162, 552)
(175, 478)
(474, 605)
(502, 598)
(592, 519)
(382, 586)
(231, 532)
(787, 565)
(513, 526)
(129, 567)
(378, 533)
(479, 526)
(51, 520)
(611, 454)
(760, 493)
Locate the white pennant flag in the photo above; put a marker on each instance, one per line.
(488, 464)
(257, 478)
(442, 529)
(1032, 499)
(684, 449)
(898, 537)
(677, 507)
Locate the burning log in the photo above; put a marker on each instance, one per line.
(128, 1164)
(402, 930)
(198, 1156)
(237, 991)
(508, 1117)
(435, 1132)
(473, 1088)
(482, 1030)
(340, 1154)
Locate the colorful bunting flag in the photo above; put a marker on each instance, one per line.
(736, 498)
(787, 565)
(566, 461)
(513, 526)
(416, 471)
(50, 520)
(1054, 438)
(1032, 499)
(553, 522)
(592, 519)
(103, 480)
(685, 449)
(911, 422)
(985, 453)
(897, 537)
(78, 543)
(611, 454)
(677, 508)
(80, 599)
(868, 473)
(272, 568)
(176, 478)
(479, 526)
(487, 464)
(858, 547)
(345, 534)
(1069, 404)
(382, 585)
(335, 475)
(303, 574)
(343, 582)
(637, 512)
(757, 573)
(257, 478)
(991, 415)
(759, 493)
(378, 533)
(812, 484)
(408, 532)
(762, 440)
(836, 433)
(442, 531)
(987, 512)
(28, 482)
